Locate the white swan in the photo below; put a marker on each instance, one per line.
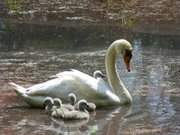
(98, 74)
(83, 85)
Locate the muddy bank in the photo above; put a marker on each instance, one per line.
(139, 15)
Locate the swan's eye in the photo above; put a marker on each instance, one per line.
(128, 53)
(127, 59)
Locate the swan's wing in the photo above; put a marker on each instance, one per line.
(43, 88)
(68, 81)
(72, 72)
(64, 72)
(83, 85)
(52, 77)
(56, 75)
(55, 79)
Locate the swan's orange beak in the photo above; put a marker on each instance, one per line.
(127, 59)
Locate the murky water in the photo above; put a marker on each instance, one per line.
(29, 55)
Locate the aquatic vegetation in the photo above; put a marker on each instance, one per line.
(14, 5)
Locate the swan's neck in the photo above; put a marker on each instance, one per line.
(113, 79)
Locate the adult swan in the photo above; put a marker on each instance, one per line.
(83, 85)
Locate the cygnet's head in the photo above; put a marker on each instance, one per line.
(57, 102)
(82, 105)
(124, 48)
(48, 103)
(72, 98)
(98, 74)
(91, 107)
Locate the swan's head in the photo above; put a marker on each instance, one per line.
(82, 105)
(124, 48)
(57, 102)
(72, 98)
(48, 103)
(98, 74)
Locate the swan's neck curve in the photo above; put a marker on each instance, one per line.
(114, 80)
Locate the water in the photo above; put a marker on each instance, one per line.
(29, 54)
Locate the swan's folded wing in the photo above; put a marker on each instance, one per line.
(60, 74)
(43, 88)
(83, 85)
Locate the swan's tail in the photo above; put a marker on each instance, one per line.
(19, 89)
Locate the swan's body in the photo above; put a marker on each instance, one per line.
(96, 74)
(84, 85)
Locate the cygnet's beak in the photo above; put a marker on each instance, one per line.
(127, 59)
(103, 75)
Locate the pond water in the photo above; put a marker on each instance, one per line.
(29, 54)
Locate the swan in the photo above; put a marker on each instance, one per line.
(73, 105)
(49, 105)
(83, 85)
(98, 74)
(60, 109)
(65, 114)
(54, 107)
(58, 102)
(91, 107)
(73, 99)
